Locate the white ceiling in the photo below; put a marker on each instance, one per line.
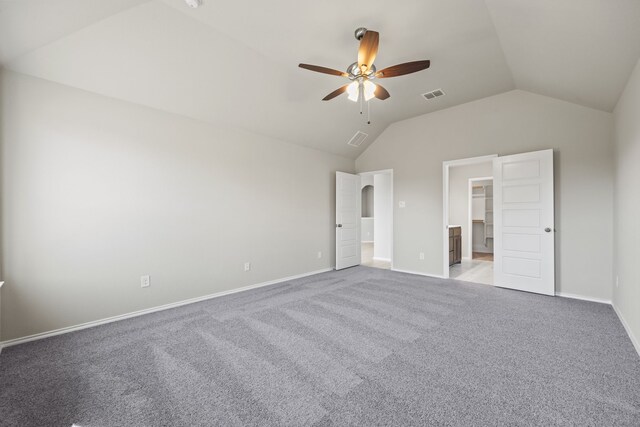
(235, 61)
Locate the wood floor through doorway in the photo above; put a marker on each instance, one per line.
(482, 256)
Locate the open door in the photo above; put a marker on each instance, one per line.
(523, 219)
(347, 220)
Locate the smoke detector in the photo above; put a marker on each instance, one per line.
(193, 3)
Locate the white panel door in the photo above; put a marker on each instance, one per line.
(523, 222)
(347, 220)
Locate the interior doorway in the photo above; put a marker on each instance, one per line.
(476, 264)
(468, 219)
(377, 219)
(522, 222)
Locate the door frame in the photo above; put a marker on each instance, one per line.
(470, 218)
(390, 173)
(445, 202)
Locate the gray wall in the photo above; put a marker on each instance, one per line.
(97, 192)
(626, 296)
(509, 123)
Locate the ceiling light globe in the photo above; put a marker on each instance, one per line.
(352, 91)
(369, 90)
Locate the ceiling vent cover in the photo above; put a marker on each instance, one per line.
(358, 139)
(433, 94)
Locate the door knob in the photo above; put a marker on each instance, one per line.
(339, 225)
(548, 230)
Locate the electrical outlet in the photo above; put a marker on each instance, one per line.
(247, 266)
(319, 254)
(402, 204)
(145, 281)
(421, 256)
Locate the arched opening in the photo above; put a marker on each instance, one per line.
(367, 201)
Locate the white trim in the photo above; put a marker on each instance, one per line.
(634, 340)
(583, 298)
(469, 160)
(435, 276)
(367, 241)
(381, 259)
(445, 203)
(376, 172)
(87, 325)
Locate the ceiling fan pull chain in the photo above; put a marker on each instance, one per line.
(361, 99)
(368, 112)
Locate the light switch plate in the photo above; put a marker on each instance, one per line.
(145, 281)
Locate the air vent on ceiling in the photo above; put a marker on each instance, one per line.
(433, 94)
(358, 139)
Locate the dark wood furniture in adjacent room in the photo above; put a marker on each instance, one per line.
(455, 245)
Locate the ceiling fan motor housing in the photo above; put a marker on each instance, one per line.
(354, 71)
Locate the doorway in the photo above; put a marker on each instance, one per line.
(476, 264)
(521, 222)
(377, 219)
(468, 223)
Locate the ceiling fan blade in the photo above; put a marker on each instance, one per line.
(368, 50)
(324, 70)
(402, 69)
(335, 93)
(381, 93)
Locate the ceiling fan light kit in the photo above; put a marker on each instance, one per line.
(363, 70)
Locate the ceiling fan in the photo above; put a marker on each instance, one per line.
(363, 71)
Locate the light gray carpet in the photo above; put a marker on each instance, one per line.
(357, 347)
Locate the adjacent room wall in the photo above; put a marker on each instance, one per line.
(459, 197)
(509, 123)
(97, 192)
(366, 223)
(382, 224)
(626, 295)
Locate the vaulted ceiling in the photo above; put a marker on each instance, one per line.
(235, 61)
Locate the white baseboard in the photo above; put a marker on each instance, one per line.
(435, 276)
(583, 298)
(381, 259)
(16, 341)
(634, 340)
